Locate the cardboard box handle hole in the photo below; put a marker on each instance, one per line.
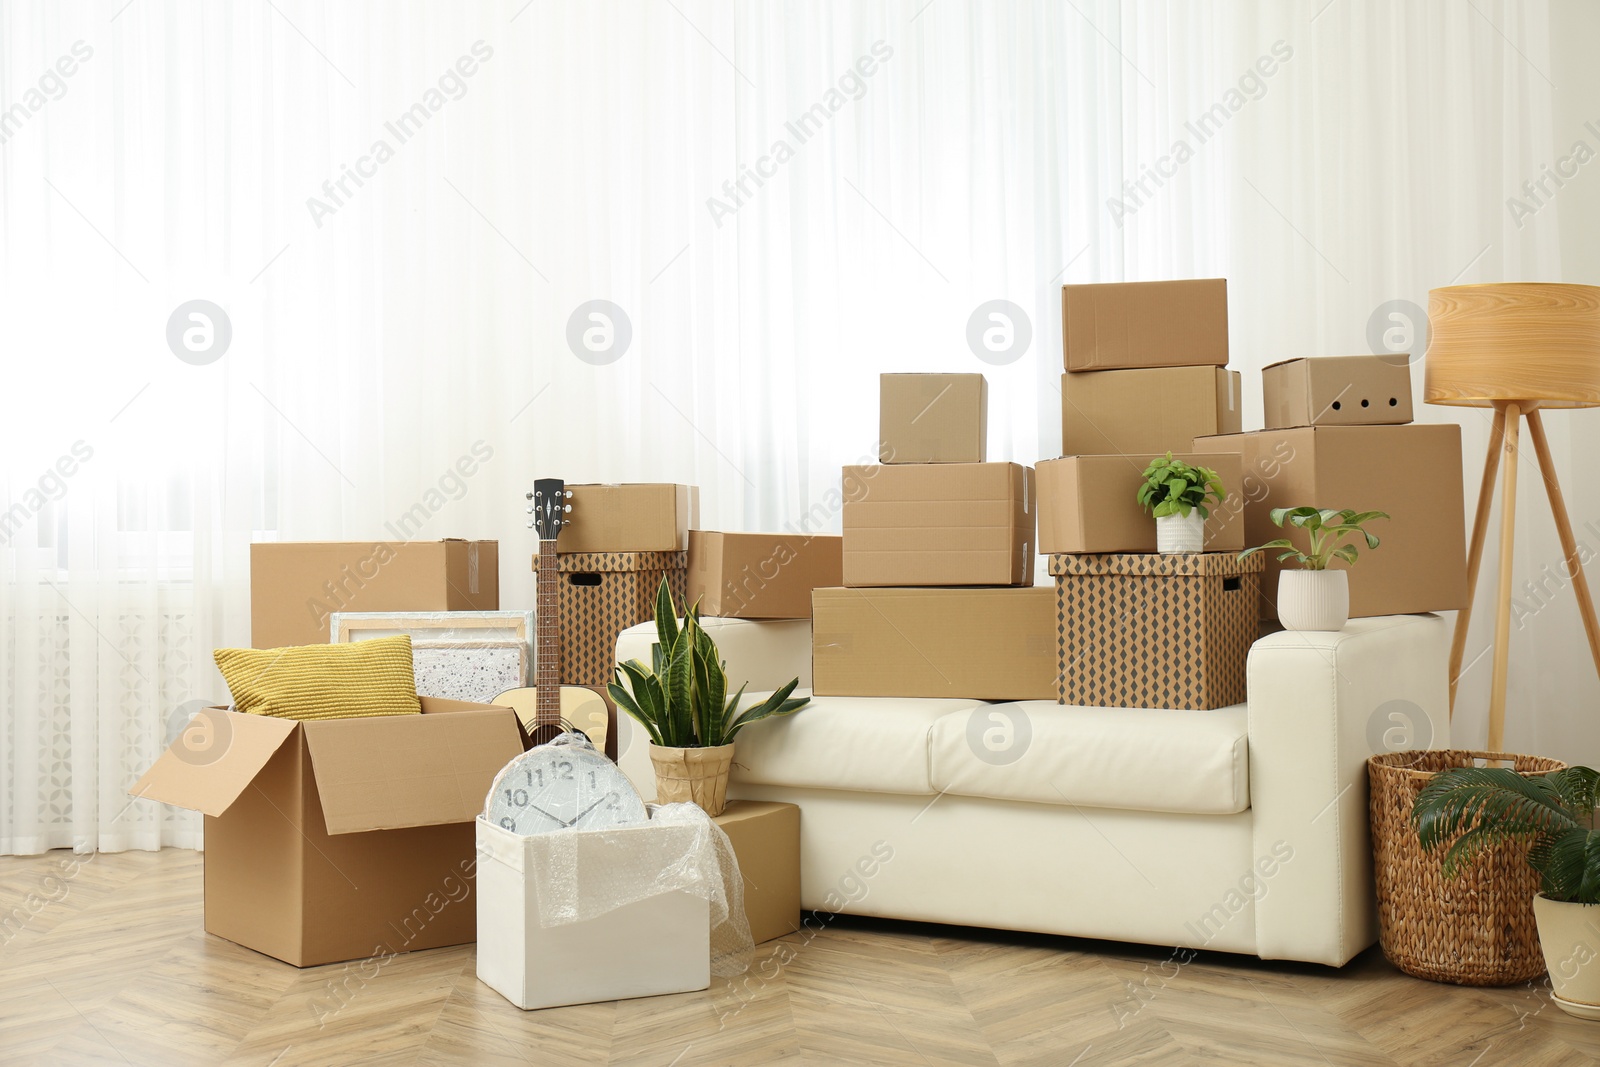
(584, 578)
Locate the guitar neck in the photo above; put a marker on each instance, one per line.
(547, 633)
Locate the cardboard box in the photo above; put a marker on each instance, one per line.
(639, 517)
(939, 524)
(1137, 412)
(766, 841)
(991, 644)
(1145, 324)
(295, 586)
(1336, 391)
(1412, 472)
(760, 576)
(1089, 504)
(659, 944)
(933, 418)
(1155, 631)
(602, 594)
(339, 839)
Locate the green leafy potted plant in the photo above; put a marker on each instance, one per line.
(1488, 805)
(1316, 597)
(681, 701)
(1175, 493)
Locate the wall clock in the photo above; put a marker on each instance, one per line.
(563, 785)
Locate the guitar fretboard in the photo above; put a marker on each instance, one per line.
(547, 634)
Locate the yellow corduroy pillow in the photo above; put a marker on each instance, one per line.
(323, 681)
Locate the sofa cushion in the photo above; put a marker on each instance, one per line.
(866, 744)
(1132, 758)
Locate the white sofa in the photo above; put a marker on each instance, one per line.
(1242, 829)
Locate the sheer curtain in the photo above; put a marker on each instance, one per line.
(405, 214)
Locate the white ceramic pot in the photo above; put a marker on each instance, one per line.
(1181, 533)
(1313, 600)
(1569, 934)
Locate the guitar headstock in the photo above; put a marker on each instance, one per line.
(550, 505)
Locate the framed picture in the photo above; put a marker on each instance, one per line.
(457, 655)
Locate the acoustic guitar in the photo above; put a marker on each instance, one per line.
(547, 708)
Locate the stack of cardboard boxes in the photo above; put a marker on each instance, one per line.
(938, 597)
(1145, 373)
(1339, 435)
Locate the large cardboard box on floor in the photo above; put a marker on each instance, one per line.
(766, 840)
(989, 644)
(1144, 630)
(1089, 504)
(602, 594)
(760, 576)
(1117, 325)
(933, 418)
(339, 839)
(651, 946)
(1412, 472)
(296, 585)
(1336, 391)
(1142, 411)
(631, 517)
(939, 524)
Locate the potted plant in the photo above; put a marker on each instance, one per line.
(1315, 597)
(1175, 493)
(681, 701)
(1476, 808)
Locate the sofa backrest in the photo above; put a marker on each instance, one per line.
(766, 653)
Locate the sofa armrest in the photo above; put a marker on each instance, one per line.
(1319, 705)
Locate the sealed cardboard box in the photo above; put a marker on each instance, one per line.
(602, 594)
(660, 943)
(939, 524)
(1336, 391)
(295, 586)
(1089, 504)
(338, 839)
(1120, 325)
(933, 418)
(989, 644)
(766, 840)
(1412, 472)
(1146, 411)
(1155, 631)
(637, 517)
(760, 576)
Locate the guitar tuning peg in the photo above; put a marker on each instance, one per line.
(529, 524)
(569, 494)
(527, 496)
(567, 508)
(528, 509)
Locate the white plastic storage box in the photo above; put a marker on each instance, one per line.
(533, 953)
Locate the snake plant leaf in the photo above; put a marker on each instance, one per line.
(776, 704)
(627, 704)
(678, 682)
(666, 617)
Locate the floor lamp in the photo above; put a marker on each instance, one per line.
(1518, 347)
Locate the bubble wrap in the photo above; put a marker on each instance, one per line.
(621, 866)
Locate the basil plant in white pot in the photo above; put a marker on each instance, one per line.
(1176, 493)
(1316, 597)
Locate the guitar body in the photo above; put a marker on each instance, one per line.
(580, 707)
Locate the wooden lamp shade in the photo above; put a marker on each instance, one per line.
(1528, 341)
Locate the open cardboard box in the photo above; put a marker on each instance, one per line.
(338, 839)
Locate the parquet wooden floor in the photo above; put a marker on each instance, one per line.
(117, 970)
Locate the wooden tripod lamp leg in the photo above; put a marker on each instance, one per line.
(1502, 617)
(1480, 526)
(1569, 544)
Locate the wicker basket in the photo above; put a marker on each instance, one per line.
(1474, 929)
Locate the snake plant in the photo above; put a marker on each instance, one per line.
(681, 698)
(1489, 805)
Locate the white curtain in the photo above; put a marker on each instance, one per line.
(403, 210)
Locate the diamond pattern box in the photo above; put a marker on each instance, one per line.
(1154, 631)
(602, 594)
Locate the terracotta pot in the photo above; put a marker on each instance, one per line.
(696, 775)
(1569, 935)
(1313, 600)
(1181, 533)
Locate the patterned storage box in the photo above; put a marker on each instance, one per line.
(602, 594)
(1154, 631)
